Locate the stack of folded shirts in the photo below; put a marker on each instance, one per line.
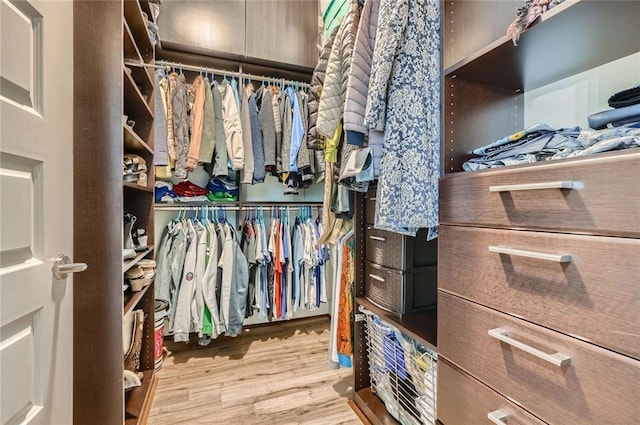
(537, 143)
(187, 189)
(221, 189)
(134, 169)
(164, 192)
(626, 110)
(541, 143)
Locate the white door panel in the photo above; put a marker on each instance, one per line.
(36, 211)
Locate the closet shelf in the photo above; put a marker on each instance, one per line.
(138, 400)
(135, 104)
(373, 407)
(138, 26)
(131, 51)
(134, 186)
(422, 326)
(133, 142)
(563, 43)
(172, 205)
(131, 299)
(130, 263)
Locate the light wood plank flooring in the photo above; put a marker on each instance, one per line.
(276, 374)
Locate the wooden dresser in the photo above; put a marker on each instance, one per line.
(539, 294)
(538, 264)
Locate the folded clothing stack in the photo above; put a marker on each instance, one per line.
(626, 104)
(134, 169)
(541, 143)
(186, 189)
(164, 192)
(222, 189)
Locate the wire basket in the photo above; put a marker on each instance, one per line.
(403, 372)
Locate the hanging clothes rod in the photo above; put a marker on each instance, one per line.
(175, 65)
(234, 208)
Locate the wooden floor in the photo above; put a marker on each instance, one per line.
(276, 374)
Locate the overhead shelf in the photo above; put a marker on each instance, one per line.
(573, 37)
(138, 26)
(421, 326)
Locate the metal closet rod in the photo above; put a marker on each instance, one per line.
(234, 208)
(169, 65)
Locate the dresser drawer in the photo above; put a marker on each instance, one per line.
(605, 199)
(561, 380)
(401, 292)
(595, 296)
(462, 400)
(400, 252)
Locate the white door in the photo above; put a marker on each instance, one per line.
(36, 221)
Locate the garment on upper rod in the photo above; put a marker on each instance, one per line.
(208, 139)
(247, 137)
(161, 155)
(196, 97)
(259, 167)
(232, 127)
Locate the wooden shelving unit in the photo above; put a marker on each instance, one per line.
(555, 47)
(138, 92)
(138, 27)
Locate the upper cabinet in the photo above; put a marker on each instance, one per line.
(284, 31)
(216, 26)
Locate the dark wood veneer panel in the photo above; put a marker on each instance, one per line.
(97, 185)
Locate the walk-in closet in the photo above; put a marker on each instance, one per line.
(320, 212)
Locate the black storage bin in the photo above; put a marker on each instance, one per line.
(401, 292)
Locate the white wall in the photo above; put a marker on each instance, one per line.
(568, 102)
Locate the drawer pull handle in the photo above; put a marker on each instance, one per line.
(498, 417)
(373, 199)
(557, 359)
(376, 277)
(533, 186)
(378, 238)
(558, 258)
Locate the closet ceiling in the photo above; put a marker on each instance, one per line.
(243, 29)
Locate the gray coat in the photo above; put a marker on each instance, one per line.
(315, 141)
(268, 125)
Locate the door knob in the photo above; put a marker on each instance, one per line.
(63, 267)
